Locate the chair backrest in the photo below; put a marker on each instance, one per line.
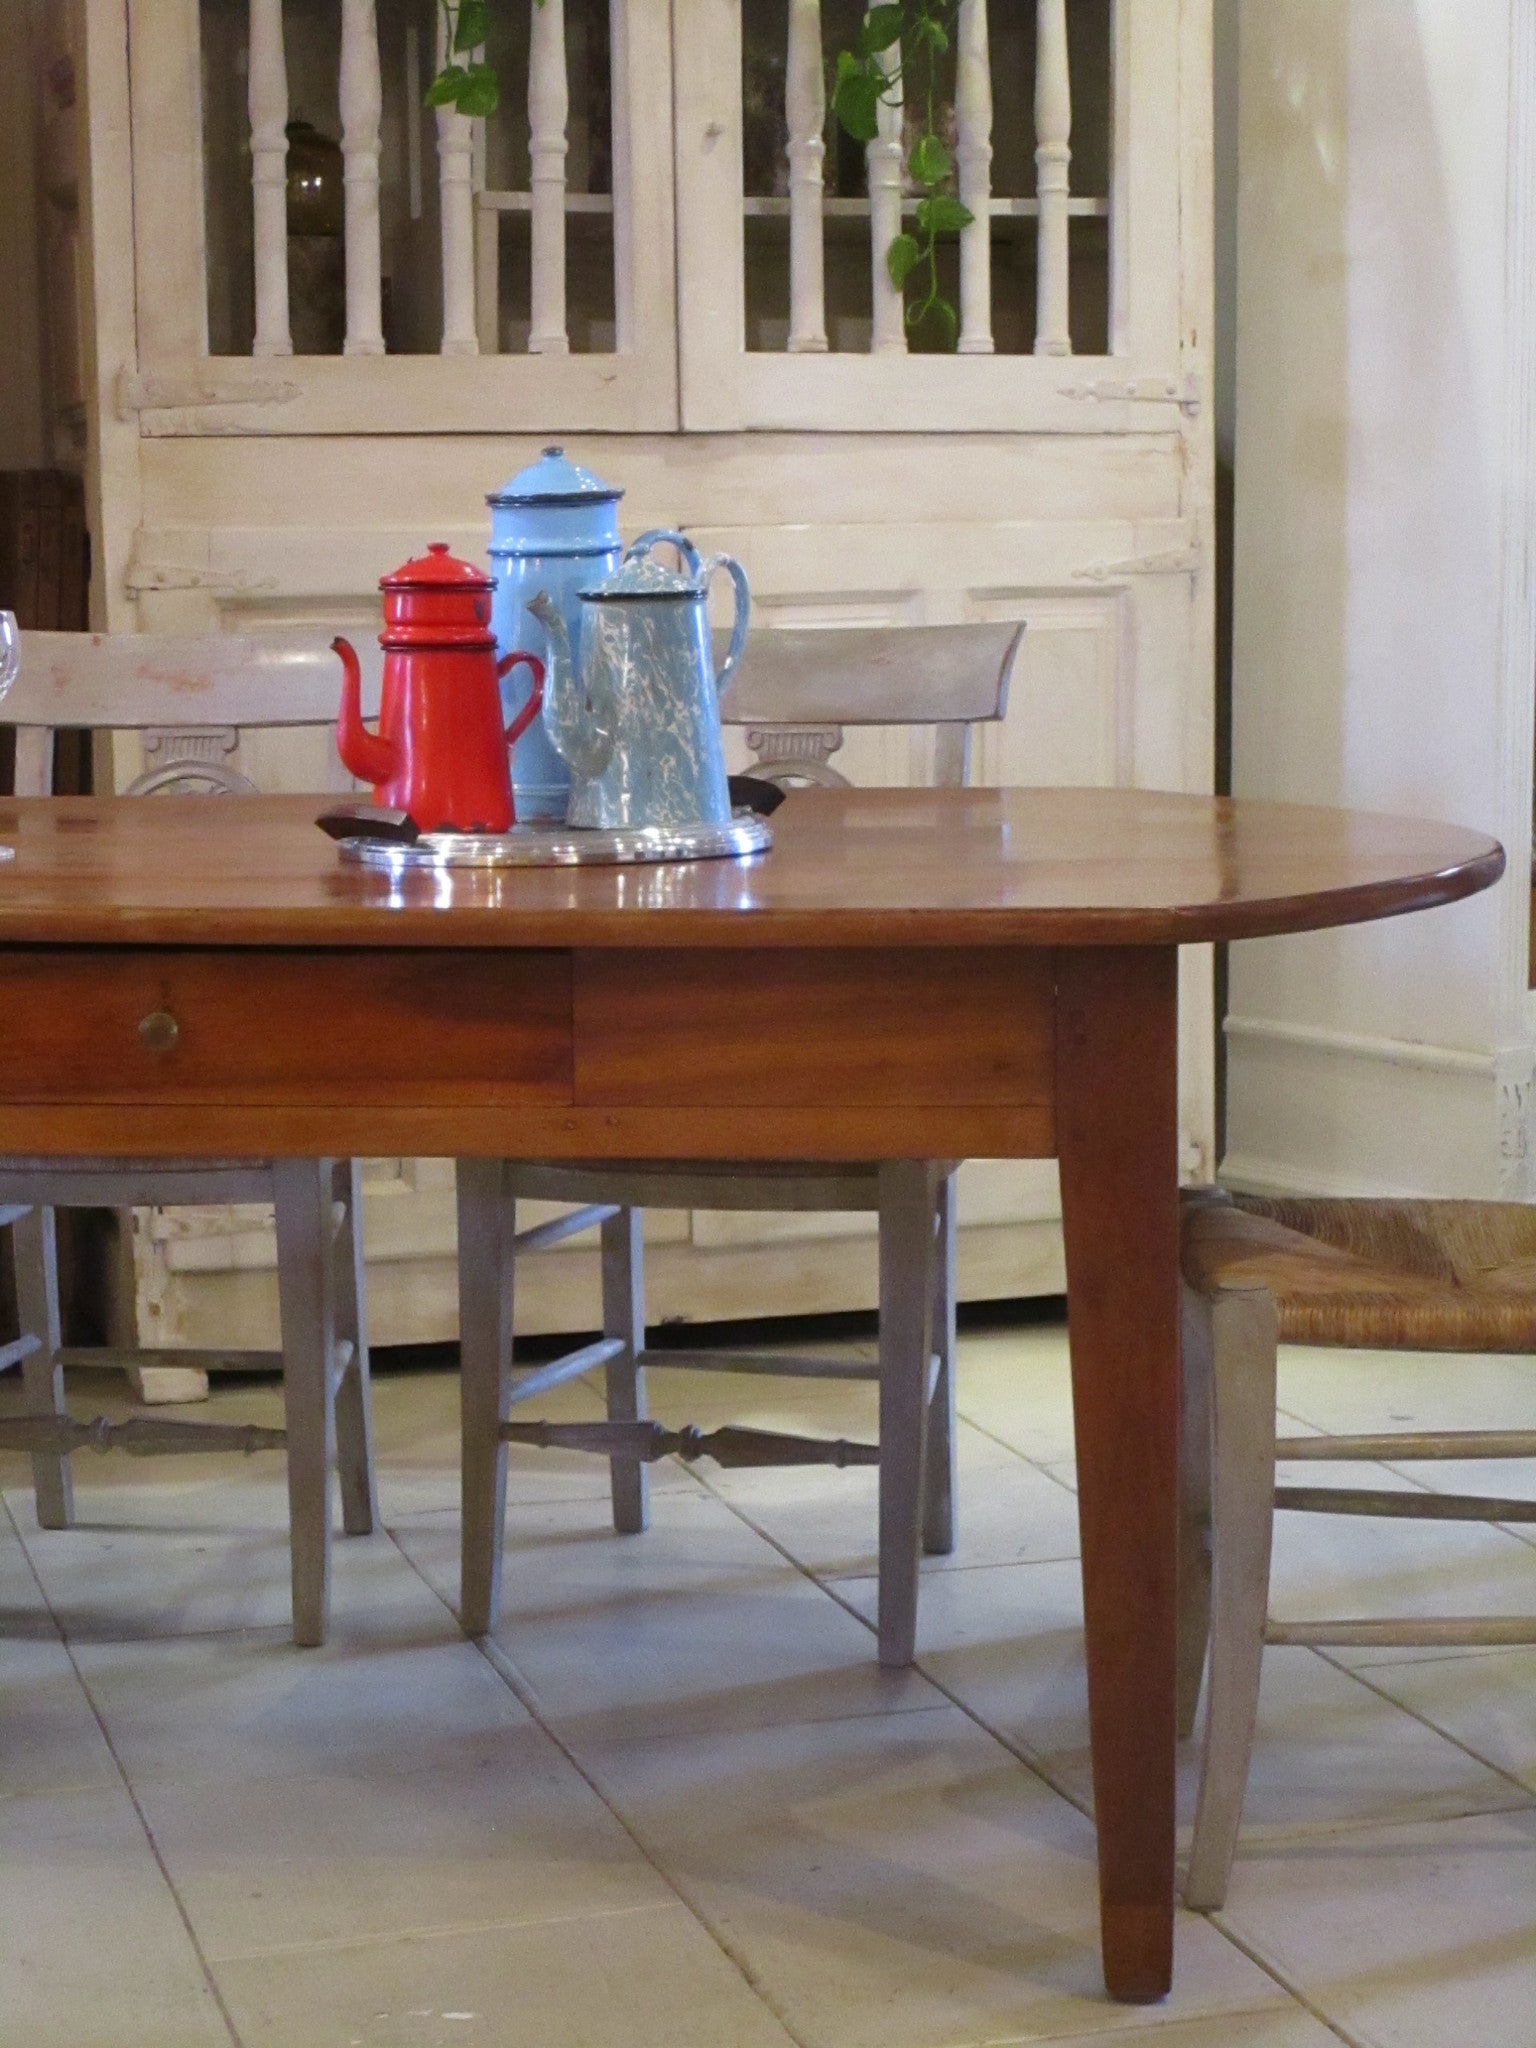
(190, 697)
(796, 690)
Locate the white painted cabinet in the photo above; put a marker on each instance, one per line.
(672, 261)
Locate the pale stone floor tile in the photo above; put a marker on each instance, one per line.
(1017, 1385)
(897, 1881)
(650, 1979)
(1486, 1702)
(695, 1625)
(275, 1863)
(1349, 1393)
(1414, 1937)
(50, 1740)
(95, 1953)
(371, 1700)
(815, 1407)
(1329, 1752)
(1008, 1511)
(1510, 1478)
(1328, 1566)
(202, 1558)
(1287, 2026)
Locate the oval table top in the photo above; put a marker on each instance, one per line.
(1057, 867)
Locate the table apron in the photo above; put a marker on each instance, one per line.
(896, 1052)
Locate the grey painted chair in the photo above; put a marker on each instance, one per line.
(190, 698)
(793, 695)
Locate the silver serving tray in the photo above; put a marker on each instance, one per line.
(561, 846)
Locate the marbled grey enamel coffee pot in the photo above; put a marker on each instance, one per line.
(633, 705)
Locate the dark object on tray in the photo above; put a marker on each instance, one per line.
(751, 793)
(369, 821)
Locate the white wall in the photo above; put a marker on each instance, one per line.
(1376, 472)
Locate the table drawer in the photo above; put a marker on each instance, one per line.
(125, 1024)
(872, 1027)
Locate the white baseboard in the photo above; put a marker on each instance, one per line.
(1320, 1111)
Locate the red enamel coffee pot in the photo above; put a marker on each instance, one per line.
(441, 750)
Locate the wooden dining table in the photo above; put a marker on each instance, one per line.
(907, 975)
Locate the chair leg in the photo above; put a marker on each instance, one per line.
(306, 1273)
(939, 1485)
(624, 1318)
(1243, 1329)
(1194, 1509)
(908, 1219)
(34, 1250)
(486, 1278)
(354, 1392)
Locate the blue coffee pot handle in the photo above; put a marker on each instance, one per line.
(705, 570)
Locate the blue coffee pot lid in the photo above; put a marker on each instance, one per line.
(554, 480)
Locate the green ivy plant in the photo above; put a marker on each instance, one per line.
(867, 77)
(918, 32)
(469, 87)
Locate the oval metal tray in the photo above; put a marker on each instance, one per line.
(561, 846)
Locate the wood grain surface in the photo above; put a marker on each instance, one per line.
(871, 1029)
(849, 868)
(156, 1025)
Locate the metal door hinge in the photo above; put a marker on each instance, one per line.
(1187, 561)
(1184, 392)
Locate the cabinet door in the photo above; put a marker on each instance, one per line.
(1067, 121)
(443, 275)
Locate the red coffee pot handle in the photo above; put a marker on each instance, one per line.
(530, 710)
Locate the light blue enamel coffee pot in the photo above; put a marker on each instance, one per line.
(632, 701)
(555, 529)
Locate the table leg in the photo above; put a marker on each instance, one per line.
(1117, 1140)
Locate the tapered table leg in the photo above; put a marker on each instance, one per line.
(1117, 1140)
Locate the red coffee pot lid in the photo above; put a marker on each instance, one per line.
(437, 570)
(437, 600)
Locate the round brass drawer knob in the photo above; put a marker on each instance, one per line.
(159, 1031)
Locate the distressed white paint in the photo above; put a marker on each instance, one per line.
(973, 112)
(548, 116)
(886, 183)
(362, 104)
(1053, 181)
(456, 198)
(268, 101)
(805, 106)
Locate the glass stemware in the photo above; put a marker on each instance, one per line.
(10, 651)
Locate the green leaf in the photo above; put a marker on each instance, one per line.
(882, 27)
(930, 162)
(942, 316)
(933, 34)
(479, 95)
(902, 258)
(942, 215)
(474, 24)
(445, 88)
(856, 102)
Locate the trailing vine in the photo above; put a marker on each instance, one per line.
(895, 62)
(472, 87)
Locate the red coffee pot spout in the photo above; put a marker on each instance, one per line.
(367, 755)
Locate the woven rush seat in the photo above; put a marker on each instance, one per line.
(1383, 1274)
